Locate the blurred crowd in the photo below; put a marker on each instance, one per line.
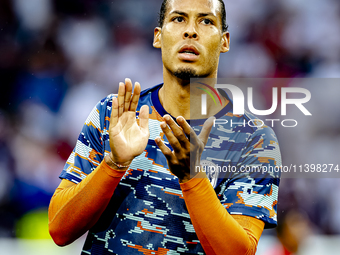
(58, 58)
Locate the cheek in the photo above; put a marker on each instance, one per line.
(214, 45)
(168, 40)
(213, 39)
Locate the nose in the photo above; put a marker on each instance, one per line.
(190, 35)
(190, 32)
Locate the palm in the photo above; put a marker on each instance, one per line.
(128, 138)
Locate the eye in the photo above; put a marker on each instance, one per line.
(178, 19)
(207, 22)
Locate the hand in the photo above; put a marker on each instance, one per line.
(185, 152)
(127, 138)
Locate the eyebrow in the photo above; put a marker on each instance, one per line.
(203, 14)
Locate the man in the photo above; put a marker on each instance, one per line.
(117, 183)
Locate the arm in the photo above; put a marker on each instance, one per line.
(217, 230)
(75, 208)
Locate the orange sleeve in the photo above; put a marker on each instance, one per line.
(218, 231)
(75, 208)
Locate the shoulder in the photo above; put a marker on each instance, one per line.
(149, 96)
(243, 128)
(261, 132)
(147, 91)
(252, 125)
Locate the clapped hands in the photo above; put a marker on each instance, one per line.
(187, 146)
(128, 139)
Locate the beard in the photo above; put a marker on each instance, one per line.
(186, 73)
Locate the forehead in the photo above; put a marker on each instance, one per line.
(197, 6)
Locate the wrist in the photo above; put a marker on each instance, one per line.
(186, 177)
(199, 173)
(115, 164)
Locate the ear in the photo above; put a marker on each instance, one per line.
(225, 42)
(157, 37)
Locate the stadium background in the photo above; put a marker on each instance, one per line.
(58, 58)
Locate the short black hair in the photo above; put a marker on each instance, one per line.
(164, 8)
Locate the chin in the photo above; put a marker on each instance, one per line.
(185, 73)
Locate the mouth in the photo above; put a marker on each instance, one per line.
(188, 53)
(189, 50)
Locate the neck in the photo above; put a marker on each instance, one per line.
(175, 97)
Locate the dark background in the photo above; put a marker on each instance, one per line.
(58, 58)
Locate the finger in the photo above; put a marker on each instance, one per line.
(128, 92)
(164, 149)
(121, 95)
(114, 112)
(175, 144)
(135, 97)
(177, 131)
(144, 118)
(204, 135)
(184, 125)
(188, 130)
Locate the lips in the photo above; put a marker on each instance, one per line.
(189, 50)
(188, 53)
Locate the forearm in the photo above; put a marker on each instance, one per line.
(74, 210)
(218, 232)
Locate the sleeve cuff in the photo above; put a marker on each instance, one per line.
(193, 182)
(110, 171)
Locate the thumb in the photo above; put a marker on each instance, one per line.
(204, 135)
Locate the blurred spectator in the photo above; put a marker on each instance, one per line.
(293, 230)
(7, 220)
(34, 14)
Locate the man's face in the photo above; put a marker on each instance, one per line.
(191, 38)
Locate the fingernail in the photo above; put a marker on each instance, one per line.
(163, 125)
(166, 117)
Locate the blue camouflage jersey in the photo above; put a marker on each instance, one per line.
(147, 213)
